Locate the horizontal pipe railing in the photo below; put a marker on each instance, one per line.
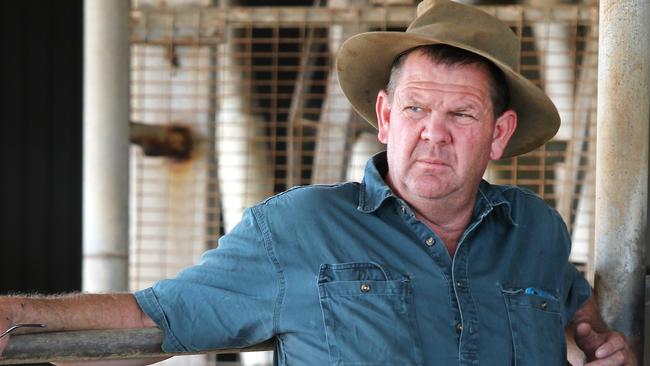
(206, 26)
(97, 344)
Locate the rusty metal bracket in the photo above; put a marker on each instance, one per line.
(172, 141)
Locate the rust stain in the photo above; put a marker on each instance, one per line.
(173, 141)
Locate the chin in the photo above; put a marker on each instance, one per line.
(430, 192)
(430, 183)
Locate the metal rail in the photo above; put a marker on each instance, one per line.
(179, 26)
(106, 108)
(96, 344)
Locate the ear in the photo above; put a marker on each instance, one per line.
(504, 128)
(382, 108)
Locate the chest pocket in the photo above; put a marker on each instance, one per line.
(536, 327)
(368, 316)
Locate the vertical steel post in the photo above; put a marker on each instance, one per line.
(622, 163)
(106, 145)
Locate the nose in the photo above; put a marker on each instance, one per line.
(435, 130)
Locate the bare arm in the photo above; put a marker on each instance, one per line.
(600, 345)
(74, 312)
(589, 313)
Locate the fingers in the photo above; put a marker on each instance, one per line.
(617, 359)
(614, 344)
(614, 350)
(588, 340)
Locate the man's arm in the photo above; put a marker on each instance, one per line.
(72, 312)
(601, 346)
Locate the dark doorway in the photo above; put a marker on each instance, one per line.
(40, 147)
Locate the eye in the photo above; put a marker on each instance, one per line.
(414, 111)
(463, 118)
(463, 115)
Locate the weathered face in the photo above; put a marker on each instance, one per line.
(439, 129)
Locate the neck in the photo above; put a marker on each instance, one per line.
(448, 217)
(448, 223)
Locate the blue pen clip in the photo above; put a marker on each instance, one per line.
(540, 293)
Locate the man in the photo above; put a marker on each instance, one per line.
(423, 263)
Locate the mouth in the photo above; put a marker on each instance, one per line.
(432, 162)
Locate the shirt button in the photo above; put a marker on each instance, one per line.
(403, 208)
(543, 305)
(430, 241)
(459, 284)
(459, 328)
(365, 287)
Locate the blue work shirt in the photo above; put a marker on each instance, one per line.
(346, 274)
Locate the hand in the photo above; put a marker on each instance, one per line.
(5, 323)
(604, 349)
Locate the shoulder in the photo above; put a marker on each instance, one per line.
(298, 211)
(533, 218)
(311, 196)
(516, 193)
(524, 204)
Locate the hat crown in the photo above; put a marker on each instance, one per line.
(457, 24)
(364, 65)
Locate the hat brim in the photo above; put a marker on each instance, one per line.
(363, 65)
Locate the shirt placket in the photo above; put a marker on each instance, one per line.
(468, 350)
(438, 252)
(466, 322)
(467, 328)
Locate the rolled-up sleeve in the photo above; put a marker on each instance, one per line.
(576, 292)
(227, 300)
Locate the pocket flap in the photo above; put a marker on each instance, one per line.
(352, 272)
(532, 297)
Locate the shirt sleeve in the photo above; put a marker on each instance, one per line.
(576, 292)
(227, 300)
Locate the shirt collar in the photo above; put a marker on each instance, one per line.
(374, 191)
(491, 196)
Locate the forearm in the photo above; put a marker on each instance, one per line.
(135, 362)
(596, 341)
(76, 311)
(589, 313)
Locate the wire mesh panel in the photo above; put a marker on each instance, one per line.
(559, 54)
(257, 88)
(174, 209)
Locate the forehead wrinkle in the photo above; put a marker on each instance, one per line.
(422, 90)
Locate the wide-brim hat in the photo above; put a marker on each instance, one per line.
(364, 62)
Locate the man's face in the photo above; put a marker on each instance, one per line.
(439, 129)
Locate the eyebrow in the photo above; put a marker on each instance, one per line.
(414, 95)
(465, 107)
(416, 98)
(410, 96)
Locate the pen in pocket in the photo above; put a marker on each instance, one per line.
(540, 293)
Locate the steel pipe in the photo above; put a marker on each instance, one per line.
(106, 145)
(97, 344)
(622, 163)
(149, 23)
